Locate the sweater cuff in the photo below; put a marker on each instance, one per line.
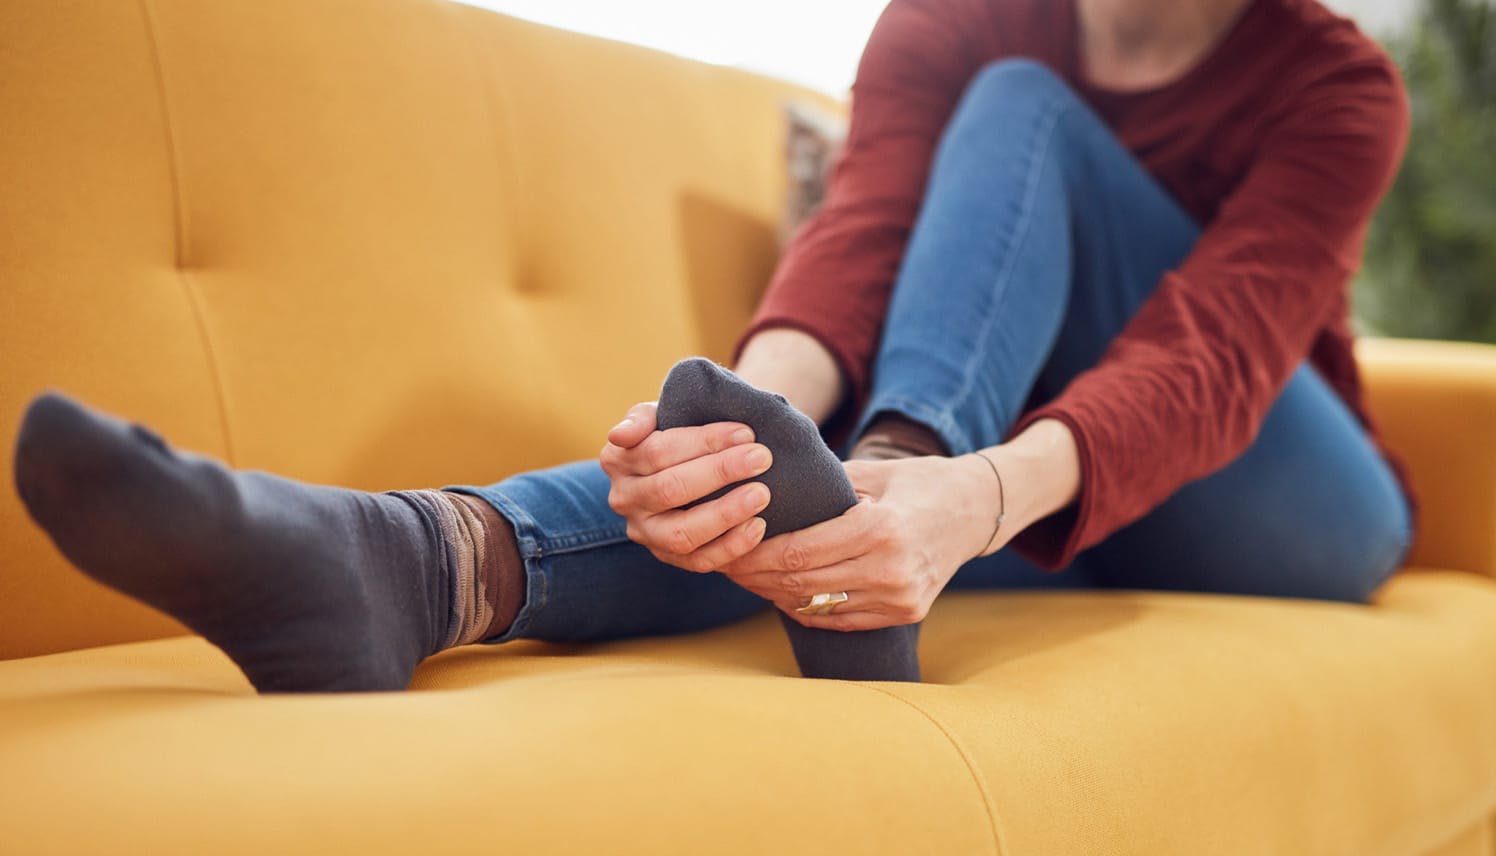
(1052, 542)
(840, 423)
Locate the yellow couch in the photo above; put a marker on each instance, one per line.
(402, 243)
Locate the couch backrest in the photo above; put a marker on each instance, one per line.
(376, 243)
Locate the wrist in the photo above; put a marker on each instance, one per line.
(1038, 473)
(983, 500)
(796, 365)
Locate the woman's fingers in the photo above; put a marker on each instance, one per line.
(662, 450)
(685, 483)
(857, 574)
(639, 497)
(684, 531)
(720, 550)
(838, 539)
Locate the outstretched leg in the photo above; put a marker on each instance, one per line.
(313, 588)
(304, 587)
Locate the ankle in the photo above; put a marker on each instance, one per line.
(485, 604)
(893, 435)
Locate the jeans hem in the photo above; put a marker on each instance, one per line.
(940, 421)
(526, 534)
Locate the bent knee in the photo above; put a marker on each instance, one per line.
(1016, 80)
(1347, 572)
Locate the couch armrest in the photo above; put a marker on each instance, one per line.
(1435, 403)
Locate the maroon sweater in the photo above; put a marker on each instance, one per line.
(1280, 143)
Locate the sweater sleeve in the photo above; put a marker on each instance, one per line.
(836, 277)
(1184, 388)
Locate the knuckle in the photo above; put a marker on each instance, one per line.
(633, 534)
(733, 548)
(795, 557)
(714, 441)
(617, 502)
(724, 520)
(655, 456)
(723, 470)
(708, 557)
(672, 489)
(791, 583)
(679, 541)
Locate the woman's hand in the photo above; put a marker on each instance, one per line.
(655, 473)
(919, 520)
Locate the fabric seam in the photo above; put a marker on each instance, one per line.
(1047, 125)
(971, 768)
(179, 224)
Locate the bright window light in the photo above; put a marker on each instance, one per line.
(813, 42)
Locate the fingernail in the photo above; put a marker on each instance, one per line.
(759, 495)
(756, 527)
(741, 436)
(759, 459)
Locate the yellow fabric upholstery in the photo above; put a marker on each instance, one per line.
(400, 243)
(1052, 724)
(383, 244)
(1436, 403)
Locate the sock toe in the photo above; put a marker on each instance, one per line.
(807, 485)
(58, 443)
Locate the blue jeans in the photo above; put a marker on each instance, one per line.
(1039, 238)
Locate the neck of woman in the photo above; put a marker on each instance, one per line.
(1142, 44)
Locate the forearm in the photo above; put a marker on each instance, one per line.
(1040, 474)
(796, 366)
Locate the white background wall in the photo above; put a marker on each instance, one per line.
(816, 42)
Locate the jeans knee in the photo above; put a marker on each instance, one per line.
(1016, 82)
(1002, 97)
(1353, 574)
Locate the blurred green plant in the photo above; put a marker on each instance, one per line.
(1431, 255)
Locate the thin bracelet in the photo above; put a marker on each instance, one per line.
(1002, 501)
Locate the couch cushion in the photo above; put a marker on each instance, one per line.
(373, 243)
(1052, 723)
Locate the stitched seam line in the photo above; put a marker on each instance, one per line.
(1047, 124)
(976, 776)
(499, 109)
(179, 218)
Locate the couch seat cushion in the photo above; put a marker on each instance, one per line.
(1051, 723)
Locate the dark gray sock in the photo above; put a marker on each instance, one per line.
(306, 588)
(807, 485)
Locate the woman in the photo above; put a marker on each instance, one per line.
(1138, 215)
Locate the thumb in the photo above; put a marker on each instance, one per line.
(638, 424)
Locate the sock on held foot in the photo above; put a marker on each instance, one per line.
(807, 485)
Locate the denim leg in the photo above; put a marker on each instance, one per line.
(585, 580)
(1309, 510)
(1039, 238)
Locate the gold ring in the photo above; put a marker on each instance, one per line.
(822, 604)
